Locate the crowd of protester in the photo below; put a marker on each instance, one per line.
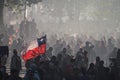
(66, 58)
(62, 67)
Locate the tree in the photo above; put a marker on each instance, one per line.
(1, 11)
(15, 4)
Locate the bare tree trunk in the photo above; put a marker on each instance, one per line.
(1, 11)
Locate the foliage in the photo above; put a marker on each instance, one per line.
(16, 4)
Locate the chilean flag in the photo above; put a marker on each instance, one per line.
(35, 48)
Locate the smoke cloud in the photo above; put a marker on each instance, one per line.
(90, 17)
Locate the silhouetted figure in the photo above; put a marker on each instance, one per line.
(83, 74)
(22, 29)
(107, 73)
(65, 58)
(69, 50)
(68, 71)
(102, 49)
(33, 30)
(57, 47)
(49, 52)
(100, 71)
(110, 45)
(32, 73)
(97, 63)
(19, 45)
(85, 59)
(80, 52)
(14, 44)
(5, 38)
(91, 53)
(4, 59)
(15, 62)
(113, 54)
(25, 30)
(79, 61)
(3, 73)
(52, 67)
(118, 64)
(113, 69)
(91, 72)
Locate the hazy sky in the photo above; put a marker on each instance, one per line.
(91, 17)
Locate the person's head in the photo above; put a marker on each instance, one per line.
(53, 59)
(92, 65)
(81, 50)
(68, 46)
(97, 59)
(64, 50)
(50, 48)
(87, 43)
(102, 63)
(15, 52)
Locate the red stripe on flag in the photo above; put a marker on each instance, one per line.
(30, 54)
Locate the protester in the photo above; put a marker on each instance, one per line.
(32, 73)
(15, 62)
(91, 72)
(49, 52)
(66, 58)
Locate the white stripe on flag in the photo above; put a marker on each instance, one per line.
(32, 45)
